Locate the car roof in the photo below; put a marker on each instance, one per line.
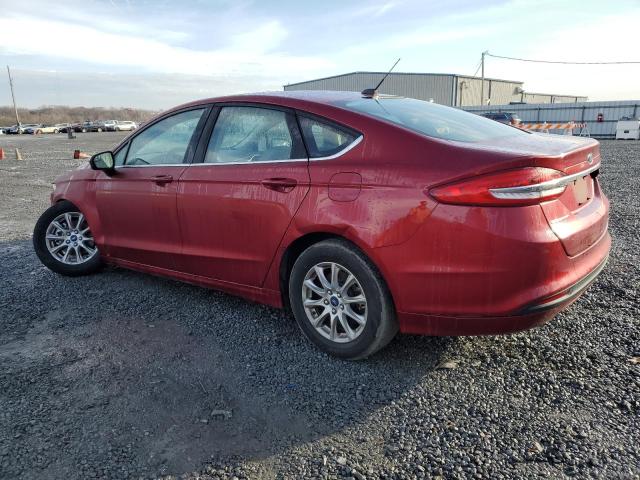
(294, 99)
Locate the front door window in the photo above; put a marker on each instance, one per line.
(165, 142)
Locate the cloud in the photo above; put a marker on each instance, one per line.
(151, 91)
(228, 46)
(250, 53)
(585, 42)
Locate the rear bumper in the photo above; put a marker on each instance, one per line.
(568, 295)
(531, 316)
(480, 271)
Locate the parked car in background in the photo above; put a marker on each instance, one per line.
(363, 215)
(125, 126)
(83, 127)
(62, 127)
(508, 118)
(109, 125)
(66, 127)
(80, 127)
(42, 128)
(22, 128)
(97, 127)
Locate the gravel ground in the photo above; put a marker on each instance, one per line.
(122, 375)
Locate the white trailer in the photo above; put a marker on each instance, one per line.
(628, 129)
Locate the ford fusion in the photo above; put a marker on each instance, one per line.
(364, 215)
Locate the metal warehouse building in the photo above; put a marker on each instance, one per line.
(443, 88)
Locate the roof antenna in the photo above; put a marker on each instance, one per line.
(373, 92)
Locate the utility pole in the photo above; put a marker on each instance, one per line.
(13, 97)
(482, 86)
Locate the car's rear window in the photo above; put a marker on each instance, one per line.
(431, 119)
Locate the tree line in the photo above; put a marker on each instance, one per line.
(65, 114)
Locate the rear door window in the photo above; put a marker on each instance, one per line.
(254, 134)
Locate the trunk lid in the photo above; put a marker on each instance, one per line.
(579, 217)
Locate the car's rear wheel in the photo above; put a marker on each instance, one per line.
(63, 241)
(340, 301)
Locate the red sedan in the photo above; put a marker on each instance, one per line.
(363, 215)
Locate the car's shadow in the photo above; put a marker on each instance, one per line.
(166, 376)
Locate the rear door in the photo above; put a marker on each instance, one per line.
(235, 206)
(137, 205)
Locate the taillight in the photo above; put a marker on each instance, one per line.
(524, 186)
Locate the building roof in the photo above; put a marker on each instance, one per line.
(403, 73)
(526, 92)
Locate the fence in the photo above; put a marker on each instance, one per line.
(580, 112)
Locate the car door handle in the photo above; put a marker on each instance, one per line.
(284, 185)
(162, 179)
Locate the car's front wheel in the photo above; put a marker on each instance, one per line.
(63, 241)
(340, 301)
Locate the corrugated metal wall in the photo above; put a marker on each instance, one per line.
(414, 85)
(536, 98)
(586, 112)
(499, 91)
(445, 89)
(550, 98)
(566, 99)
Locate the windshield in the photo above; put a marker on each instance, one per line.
(431, 119)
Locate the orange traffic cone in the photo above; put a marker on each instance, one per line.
(1, 153)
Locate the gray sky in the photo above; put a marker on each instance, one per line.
(155, 54)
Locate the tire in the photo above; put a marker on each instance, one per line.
(99, 130)
(55, 130)
(79, 260)
(364, 338)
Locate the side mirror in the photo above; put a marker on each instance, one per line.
(103, 161)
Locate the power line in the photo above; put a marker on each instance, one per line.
(477, 69)
(559, 62)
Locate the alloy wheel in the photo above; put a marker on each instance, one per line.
(69, 239)
(334, 302)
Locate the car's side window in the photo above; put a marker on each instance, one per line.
(254, 134)
(118, 158)
(165, 142)
(324, 139)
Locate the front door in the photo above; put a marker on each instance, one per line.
(137, 205)
(236, 205)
